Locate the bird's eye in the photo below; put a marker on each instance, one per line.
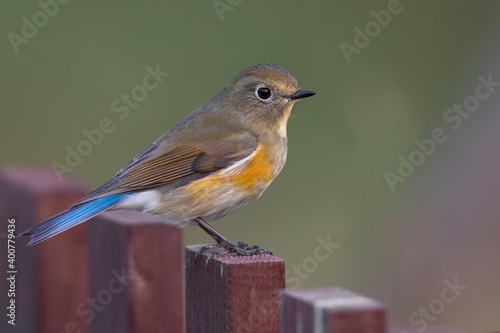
(263, 93)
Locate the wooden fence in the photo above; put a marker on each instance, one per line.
(123, 272)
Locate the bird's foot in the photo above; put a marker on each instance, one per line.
(244, 249)
(240, 248)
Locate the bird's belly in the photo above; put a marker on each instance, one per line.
(223, 192)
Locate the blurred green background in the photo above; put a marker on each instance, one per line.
(366, 113)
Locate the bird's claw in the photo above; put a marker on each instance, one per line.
(244, 249)
(240, 248)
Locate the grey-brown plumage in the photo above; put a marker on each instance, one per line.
(213, 161)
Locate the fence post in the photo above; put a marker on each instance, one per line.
(232, 293)
(329, 310)
(135, 274)
(51, 277)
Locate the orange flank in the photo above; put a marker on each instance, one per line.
(256, 171)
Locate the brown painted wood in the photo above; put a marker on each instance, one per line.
(51, 279)
(330, 310)
(136, 274)
(429, 329)
(231, 293)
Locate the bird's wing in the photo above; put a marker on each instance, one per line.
(176, 167)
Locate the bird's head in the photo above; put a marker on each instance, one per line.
(263, 95)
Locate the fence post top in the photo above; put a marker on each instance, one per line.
(332, 298)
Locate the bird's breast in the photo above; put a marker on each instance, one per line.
(251, 175)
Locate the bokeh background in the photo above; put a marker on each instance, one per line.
(441, 223)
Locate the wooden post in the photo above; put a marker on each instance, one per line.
(419, 329)
(231, 293)
(136, 274)
(329, 310)
(51, 277)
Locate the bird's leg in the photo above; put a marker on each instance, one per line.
(218, 237)
(239, 248)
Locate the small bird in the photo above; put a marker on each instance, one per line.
(212, 162)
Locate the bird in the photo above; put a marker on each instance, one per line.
(212, 162)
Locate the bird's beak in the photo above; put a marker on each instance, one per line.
(301, 94)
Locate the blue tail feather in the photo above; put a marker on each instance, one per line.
(71, 217)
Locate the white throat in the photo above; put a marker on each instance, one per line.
(282, 123)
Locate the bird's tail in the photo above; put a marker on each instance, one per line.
(71, 217)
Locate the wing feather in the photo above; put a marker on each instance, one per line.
(179, 165)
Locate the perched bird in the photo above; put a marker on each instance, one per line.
(213, 161)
